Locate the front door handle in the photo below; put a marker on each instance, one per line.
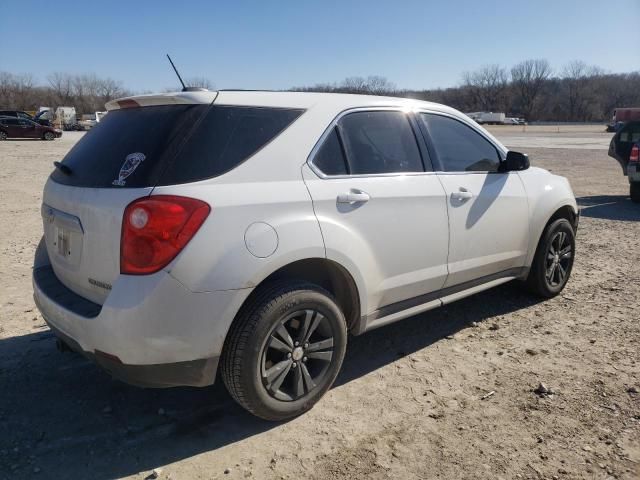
(462, 194)
(354, 196)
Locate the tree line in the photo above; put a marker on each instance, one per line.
(86, 92)
(577, 92)
(531, 89)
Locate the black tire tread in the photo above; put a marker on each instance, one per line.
(534, 281)
(242, 329)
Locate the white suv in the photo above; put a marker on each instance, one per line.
(251, 231)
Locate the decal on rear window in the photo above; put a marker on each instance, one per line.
(130, 164)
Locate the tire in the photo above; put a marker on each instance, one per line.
(48, 136)
(3, 136)
(551, 268)
(275, 374)
(634, 192)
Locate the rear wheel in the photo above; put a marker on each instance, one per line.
(48, 136)
(3, 135)
(285, 350)
(634, 192)
(553, 261)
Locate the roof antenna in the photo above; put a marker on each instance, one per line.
(184, 87)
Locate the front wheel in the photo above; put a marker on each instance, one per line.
(284, 350)
(3, 136)
(48, 136)
(634, 192)
(553, 261)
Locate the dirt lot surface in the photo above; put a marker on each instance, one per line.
(413, 400)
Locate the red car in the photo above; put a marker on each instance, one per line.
(12, 127)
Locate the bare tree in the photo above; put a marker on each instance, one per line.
(579, 82)
(373, 84)
(528, 79)
(487, 86)
(618, 90)
(62, 86)
(201, 82)
(378, 85)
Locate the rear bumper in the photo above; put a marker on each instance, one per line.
(194, 373)
(151, 331)
(633, 173)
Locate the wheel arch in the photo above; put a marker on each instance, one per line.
(325, 273)
(565, 210)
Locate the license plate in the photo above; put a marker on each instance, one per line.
(64, 235)
(62, 243)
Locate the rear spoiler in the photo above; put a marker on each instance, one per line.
(174, 98)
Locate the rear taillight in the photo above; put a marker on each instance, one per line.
(155, 229)
(635, 154)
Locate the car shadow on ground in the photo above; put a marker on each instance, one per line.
(609, 207)
(62, 415)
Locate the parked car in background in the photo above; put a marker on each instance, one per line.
(614, 127)
(19, 127)
(90, 120)
(248, 232)
(488, 118)
(630, 114)
(38, 118)
(624, 147)
(622, 116)
(66, 118)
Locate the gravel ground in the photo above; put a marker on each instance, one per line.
(413, 398)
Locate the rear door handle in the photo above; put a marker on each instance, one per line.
(354, 196)
(462, 194)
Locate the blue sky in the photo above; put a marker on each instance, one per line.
(280, 44)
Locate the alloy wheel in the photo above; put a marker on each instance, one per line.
(297, 354)
(558, 259)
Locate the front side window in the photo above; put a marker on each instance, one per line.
(379, 142)
(459, 147)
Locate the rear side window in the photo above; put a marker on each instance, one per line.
(224, 138)
(380, 142)
(330, 158)
(170, 144)
(459, 147)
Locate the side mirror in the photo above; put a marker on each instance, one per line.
(514, 162)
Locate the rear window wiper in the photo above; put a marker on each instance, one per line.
(63, 168)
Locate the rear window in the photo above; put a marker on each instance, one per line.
(170, 144)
